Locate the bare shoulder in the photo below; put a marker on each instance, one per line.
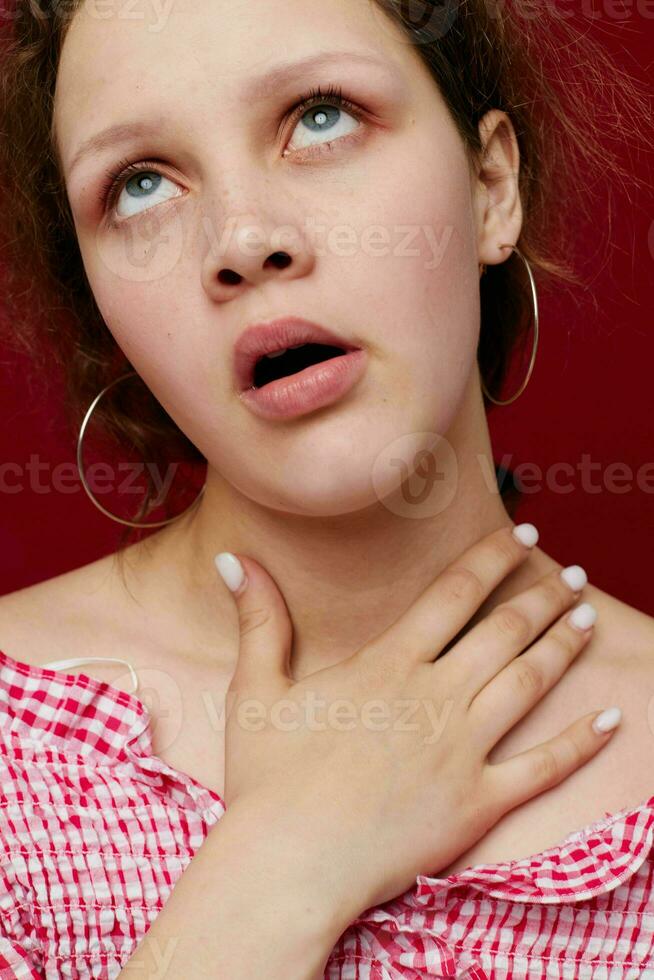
(615, 668)
(619, 669)
(80, 613)
(89, 612)
(627, 633)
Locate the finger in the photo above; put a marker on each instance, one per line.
(530, 773)
(514, 691)
(445, 606)
(265, 630)
(512, 626)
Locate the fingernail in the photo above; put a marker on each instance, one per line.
(583, 616)
(526, 534)
(230, 570)
(607, 721)
(575, 577)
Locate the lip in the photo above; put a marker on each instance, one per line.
(264, 338)
(306, 391)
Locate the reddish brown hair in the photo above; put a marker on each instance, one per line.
(569, 104)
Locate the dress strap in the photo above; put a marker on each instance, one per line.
(58, 664)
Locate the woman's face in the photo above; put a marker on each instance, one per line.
(377, 208)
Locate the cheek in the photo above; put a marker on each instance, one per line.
(420, 298)
(162, 338)
(140, 279)
(145, 251)
(409, 288)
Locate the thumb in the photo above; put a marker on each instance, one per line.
(264, 622)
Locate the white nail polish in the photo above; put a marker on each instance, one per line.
(583, 616)
(575, 577)
(230, 570)
(608, 720)
(526, 534)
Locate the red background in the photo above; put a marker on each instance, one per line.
(591, 393)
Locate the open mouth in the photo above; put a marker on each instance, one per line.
(272, 367)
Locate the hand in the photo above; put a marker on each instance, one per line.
(370, 797)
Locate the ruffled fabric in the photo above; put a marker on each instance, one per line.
(401, 950)
(91, 723)
(425, 932)
(95, 830)
(588, 862)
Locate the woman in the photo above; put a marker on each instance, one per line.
(377, 157)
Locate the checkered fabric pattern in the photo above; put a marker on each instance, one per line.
(95, 830)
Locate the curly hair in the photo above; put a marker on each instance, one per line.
(540, 70)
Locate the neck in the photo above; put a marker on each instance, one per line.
(344, 578)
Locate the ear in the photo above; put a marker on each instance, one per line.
(497, 197)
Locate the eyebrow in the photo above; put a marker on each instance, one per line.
(288, 71)
(112, 136)
(256, 89)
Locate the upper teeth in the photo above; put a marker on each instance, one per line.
(280, 352)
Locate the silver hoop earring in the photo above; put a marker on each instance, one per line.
(80, 467)
(534, 297)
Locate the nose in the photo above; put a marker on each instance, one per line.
(278, 260)
(249, 253)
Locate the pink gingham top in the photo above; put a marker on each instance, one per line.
(95, 830)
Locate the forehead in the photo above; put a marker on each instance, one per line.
(180, 54)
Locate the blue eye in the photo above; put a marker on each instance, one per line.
(320, 112)
(148, 182)
(139, 182)
(325, 112)
(325, 120)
